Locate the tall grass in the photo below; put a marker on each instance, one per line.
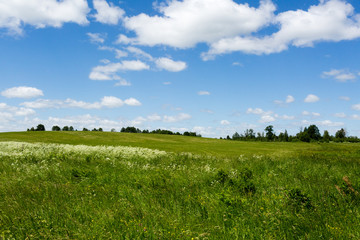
(50, 191)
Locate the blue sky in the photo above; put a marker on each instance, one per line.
(210, 66)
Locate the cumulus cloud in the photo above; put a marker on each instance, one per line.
(9, 113)
(340, 115)
(183, 24)
(356, 107)
(96, 37)
(257, 111)
(202, 93)
(224, 122)
(107, 102)
(15, 14)
(324, 123)
(268, 116)
(176, 118)
(332, 20)
(140, 53)
(267, 119)
(289, 99)
(170, 65)
(344, 98)
(311, 98)
(22, 92)
(312, 114)
(340, 75)
(110, 70)
(108, 14)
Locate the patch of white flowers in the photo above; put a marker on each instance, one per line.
(44, 150)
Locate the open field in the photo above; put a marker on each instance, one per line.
(216, 190)
(171, 143)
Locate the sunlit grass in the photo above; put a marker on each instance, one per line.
(54, 191)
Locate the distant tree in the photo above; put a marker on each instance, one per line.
(113, 130)
(282, 137)
(286, 136)
(326, 136)
(340, 134)
(270, 133)
(40, 127)
(94, 130)
(236, 136)
(228, 137)
(313, 132)
(56, 128)
(32, 129)
(100, 129)
(71, 128)
(85, 129)
(249, 134)
(65, 128)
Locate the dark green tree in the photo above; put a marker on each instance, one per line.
(326, 136)
(40, 127)
(65, 128)
(56, 128)
(313, 132)
(340, 134)
(270, 133)
(236, 136)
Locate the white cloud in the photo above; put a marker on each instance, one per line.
(224, 122)
(107, 101)
(108, 72)
(340, 75)
(154, 117)
(311, 98)
(202, 93)
(344, 98)
(183, 24)
(313, 114)
(170, 65)
(237, 64)
(132, 102)
(284, 117)
(118, 53)
(108, 14)
(123, 82)
(122, 39)
(340, 115)
(111, 102)
(289, 99)
(267, 119)
(331, 20)
(41, 13)
(328, 123)
(96, 37)
(22, 92)
(356, 107)
(177, 118)
(140, 53)
(257, 111)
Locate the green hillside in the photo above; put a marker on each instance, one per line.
(88, 185)
(170, 143)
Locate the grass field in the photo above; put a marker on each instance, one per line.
(88, 185)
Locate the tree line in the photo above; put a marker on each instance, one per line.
(41, 127)
(308, 134)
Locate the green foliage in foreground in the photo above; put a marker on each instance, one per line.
(53, 191)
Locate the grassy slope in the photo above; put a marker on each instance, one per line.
(168, 143)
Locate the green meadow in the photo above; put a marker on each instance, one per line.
(100, 185)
